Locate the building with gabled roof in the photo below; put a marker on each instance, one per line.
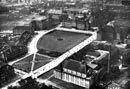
(82, 73)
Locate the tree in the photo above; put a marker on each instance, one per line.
(126, 2)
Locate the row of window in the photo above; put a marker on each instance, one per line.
(75, 73)
(78, 26)
(72, 79)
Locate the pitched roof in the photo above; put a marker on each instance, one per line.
(76, 66)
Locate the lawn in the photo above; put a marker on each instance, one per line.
(26, 63)
(60, 41)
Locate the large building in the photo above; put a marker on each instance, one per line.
(64, 43)
(84, 72)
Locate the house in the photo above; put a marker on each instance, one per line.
(18, 30)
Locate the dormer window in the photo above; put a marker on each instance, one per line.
(78, 74)
(73, 72)
(69, 71)
(83, 75)
(65, 69)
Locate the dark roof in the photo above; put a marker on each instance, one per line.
(21, 29)
(76, 66)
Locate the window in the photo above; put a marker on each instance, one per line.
(63, 76)
(73, 72)
(55, 72)
(82, 82)
(77, 80)
(67, 77)
(58, 75)
(65, 69)
(78, 74)
(83, 75)
(69, 71)
(72, 79)
(87, 84)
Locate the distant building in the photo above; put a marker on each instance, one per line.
(77, 18)
(18, 30)
(55, 14)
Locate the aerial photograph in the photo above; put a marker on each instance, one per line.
(64, 44)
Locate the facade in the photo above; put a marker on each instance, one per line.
(83, 73)
(6, 73)
(74, 72)
(38, 23)
(55, 14)
(77, 18)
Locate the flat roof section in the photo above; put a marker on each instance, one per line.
(60, 41)
(32, 62)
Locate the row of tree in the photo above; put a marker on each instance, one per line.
(30, 83)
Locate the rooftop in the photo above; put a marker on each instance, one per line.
(76, 66)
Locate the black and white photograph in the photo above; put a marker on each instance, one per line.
(64, 44)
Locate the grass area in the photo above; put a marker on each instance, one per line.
(26, 67)
(26, 63)
(60, 41)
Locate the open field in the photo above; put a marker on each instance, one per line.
(60, 41)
